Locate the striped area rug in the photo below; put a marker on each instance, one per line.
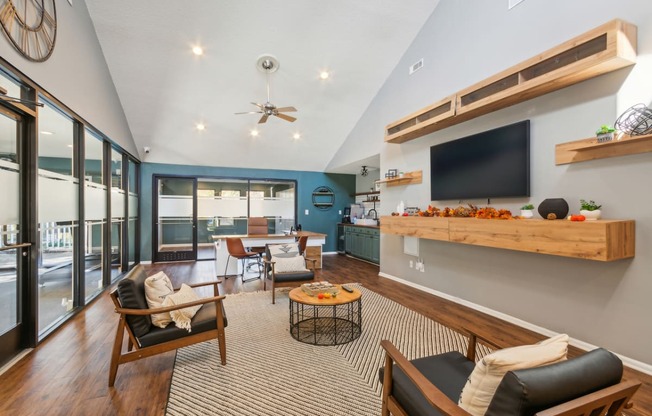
(270, 373)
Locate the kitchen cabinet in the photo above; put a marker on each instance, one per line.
(363, 242)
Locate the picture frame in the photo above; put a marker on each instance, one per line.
(392, 173)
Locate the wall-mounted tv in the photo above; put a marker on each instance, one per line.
(491, 164)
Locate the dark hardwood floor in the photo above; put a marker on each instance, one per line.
(68, 373)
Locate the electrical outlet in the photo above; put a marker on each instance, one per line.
(339, 212)
(307, 212)
(411, 264)
(423, 267)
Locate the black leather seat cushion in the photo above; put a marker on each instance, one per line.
(131, 291)
(448, 371)
(294, 276)
(525, 392)
(204, 320)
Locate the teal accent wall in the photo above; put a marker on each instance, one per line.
(320, 221)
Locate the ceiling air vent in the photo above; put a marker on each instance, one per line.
(417, 66)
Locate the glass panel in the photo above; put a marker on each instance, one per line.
(221, 209)
(274, 200)
(11, 85)
(175, 214)
(95, 212)
(116, 169)
(94, 158)
(133, 211)
(58, 193)
(9, 219)
(116, 249)
(117, 213)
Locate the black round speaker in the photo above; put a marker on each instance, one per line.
(557, 206)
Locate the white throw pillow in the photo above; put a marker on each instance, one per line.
(489, 371)
(284, 250)
(157, 287)
(289, 264)
(182, 317)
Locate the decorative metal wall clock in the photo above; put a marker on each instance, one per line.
(31, 26)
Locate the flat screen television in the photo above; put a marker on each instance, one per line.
(491, 164)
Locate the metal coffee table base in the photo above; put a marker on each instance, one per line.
(326, 325)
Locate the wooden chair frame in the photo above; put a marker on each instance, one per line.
(134, 352)
(609, 401)
(275, 284)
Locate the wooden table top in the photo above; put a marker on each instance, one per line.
(270, 236)
(343, 297)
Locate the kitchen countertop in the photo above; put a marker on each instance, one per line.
(359, 225)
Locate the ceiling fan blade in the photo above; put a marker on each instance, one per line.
(263, 119)
(257, 105)
(285, 117)
(286, 109)
(250, 112)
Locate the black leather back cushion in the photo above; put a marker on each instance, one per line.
(525, 392)
(131, 290)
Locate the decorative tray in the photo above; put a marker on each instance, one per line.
(312, 289)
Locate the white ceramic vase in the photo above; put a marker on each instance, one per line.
(527, 213)
(591, 215)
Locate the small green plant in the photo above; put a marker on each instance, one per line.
(589, 206)
(604, 129)
(527, 206)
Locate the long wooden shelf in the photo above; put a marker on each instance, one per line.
(591, 149)
(602, 240)
(599, 51)
(415, 177)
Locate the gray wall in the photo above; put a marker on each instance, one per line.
(605, 304)
(76, 73)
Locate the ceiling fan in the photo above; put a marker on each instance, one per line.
(269, 64)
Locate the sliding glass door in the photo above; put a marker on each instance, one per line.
(175, 216)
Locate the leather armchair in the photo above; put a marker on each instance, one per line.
(285, 279)
(578, 386)
(145, 339)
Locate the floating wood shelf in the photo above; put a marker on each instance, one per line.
(604, 49)
(602, 240)
(590, 149)
(407, 178)
(366, 193)
(422, 122)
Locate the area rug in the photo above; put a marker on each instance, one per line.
(270, 373)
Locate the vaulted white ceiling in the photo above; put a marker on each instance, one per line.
(165, 90)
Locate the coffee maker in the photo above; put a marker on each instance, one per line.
(346, 219)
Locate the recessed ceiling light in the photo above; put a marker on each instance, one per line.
(324, 74)
(200, 126)
(70, 146)
(47, 133)
(254, 133)
(198, 50)
(296, 136)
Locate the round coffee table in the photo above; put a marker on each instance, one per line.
(331, 321)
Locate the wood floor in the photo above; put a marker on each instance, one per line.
(68, 373)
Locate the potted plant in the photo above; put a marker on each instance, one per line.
(526, 211)
(605, 133)
(590, 210)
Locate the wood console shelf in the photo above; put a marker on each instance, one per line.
(604, 49)
(590, 149)
(415, 177)
(602, 240)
